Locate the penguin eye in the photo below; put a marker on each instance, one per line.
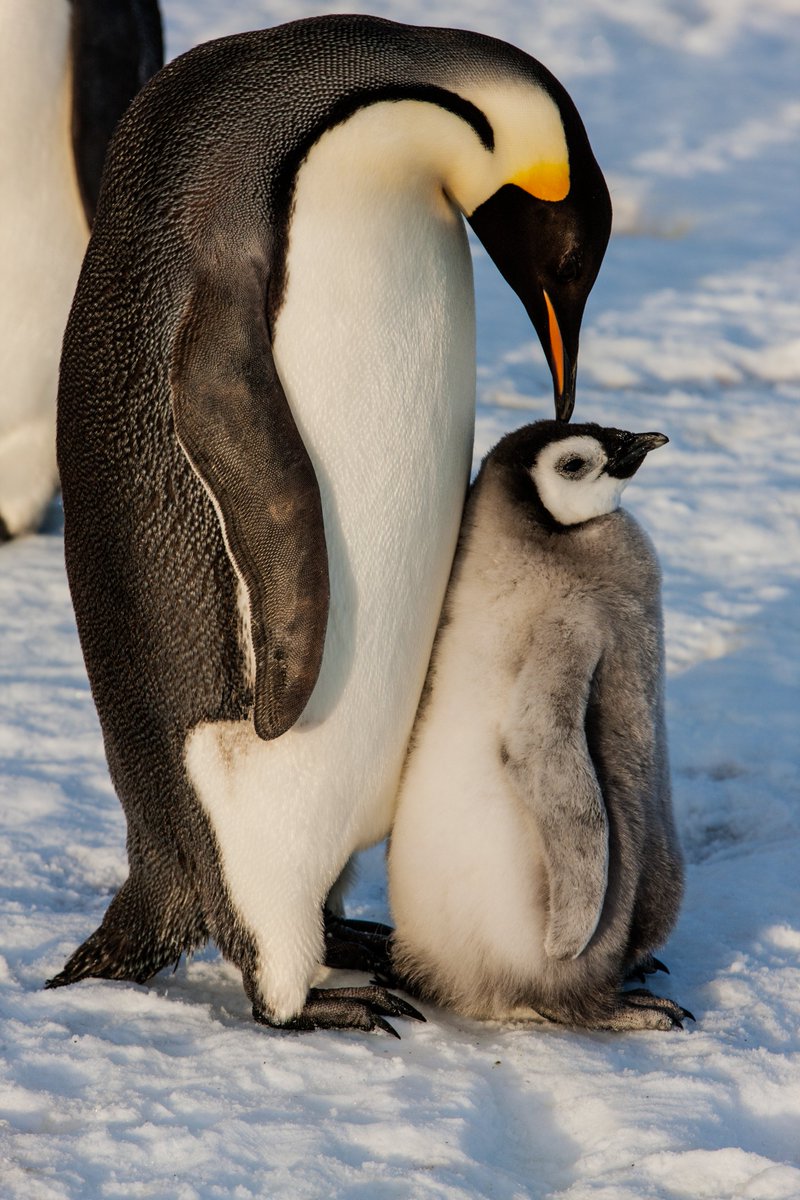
(571, 466)
(569, 268)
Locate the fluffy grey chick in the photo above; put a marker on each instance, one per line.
(534, 864)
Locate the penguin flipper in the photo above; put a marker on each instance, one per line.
(149, 924)
(116, 47)
(547, 756)
(235, 426)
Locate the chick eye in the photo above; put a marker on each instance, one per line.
(569, 269)
(571, 466)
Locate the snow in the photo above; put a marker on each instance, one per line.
(115, 1090)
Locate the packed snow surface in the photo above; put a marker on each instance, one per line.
(115, 1090)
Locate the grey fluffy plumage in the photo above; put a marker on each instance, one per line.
(540, 740)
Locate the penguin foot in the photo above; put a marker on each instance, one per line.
(346, 1008)
(640, 1009)
(357, 945)
(644, 967)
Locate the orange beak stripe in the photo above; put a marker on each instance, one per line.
(556, 344)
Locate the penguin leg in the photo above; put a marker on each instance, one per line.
(150, 923)
(346, 1008)
(356, 945)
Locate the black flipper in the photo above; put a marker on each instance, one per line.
(150, 923)
(116, 46)
(235, 425)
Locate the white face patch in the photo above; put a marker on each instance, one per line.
(572, 483)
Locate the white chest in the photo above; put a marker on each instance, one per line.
(375, 347)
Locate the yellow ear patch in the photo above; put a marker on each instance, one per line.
(544, 180)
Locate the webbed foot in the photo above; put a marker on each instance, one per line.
(346, 1008)
(357, 945)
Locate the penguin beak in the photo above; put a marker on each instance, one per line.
(631, 453)
(522, 234)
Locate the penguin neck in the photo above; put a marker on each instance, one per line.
(378, 300)
(440, 156)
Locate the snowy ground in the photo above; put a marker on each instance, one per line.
(111, 1090)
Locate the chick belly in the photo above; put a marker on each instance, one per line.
(466, 875)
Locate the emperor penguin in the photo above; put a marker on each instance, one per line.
(68, 71)
(533, 863)
(265, 429)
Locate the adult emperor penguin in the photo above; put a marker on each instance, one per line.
(68, 71)
(265, 427)
(534, 865)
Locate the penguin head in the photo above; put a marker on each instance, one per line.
(543, 215)
(573, 473)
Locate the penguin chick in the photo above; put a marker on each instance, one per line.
(534, 864)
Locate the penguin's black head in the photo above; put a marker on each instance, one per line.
(570, 474)
(547, 231)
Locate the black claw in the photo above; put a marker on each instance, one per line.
(647, 966)
(379, 1023)
(688, 1016)
(407, 1010)
(377, 999)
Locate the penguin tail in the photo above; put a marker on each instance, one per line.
(136, 939)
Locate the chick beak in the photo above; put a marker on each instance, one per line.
(631, 452)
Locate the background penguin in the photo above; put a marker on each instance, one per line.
(68, 72)
(533, 863)
(266, 416)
